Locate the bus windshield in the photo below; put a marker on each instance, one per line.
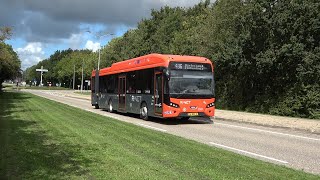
(191, 82)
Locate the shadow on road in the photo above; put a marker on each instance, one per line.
(27, 150)
(171, 121)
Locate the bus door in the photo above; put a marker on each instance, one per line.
(158, 93)
(122, 92)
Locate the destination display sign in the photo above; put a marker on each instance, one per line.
(190, 66)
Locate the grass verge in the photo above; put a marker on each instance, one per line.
(41, 88)
(43, 139)
(83, 93)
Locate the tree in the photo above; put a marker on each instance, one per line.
(9, 63)
(5, 33)
(65, 67)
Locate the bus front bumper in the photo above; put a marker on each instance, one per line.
(170, 112)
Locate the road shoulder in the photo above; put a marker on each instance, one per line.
(301, 124)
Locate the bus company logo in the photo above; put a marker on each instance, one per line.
(136, 98)
(168, 112)
(185, 102)
(193, 107)
(184, 109)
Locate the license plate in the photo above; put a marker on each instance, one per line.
(193, 114)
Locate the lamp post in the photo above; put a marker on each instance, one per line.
(107, 34)
(100, 35)
(82, 76)
(74, 75)
(99, 58)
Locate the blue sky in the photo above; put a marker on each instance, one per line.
(40, 27)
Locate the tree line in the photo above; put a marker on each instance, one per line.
(62, 66)
(266, 52)
(10, 63)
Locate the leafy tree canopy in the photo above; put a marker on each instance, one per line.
(9, 60)
(266, 52)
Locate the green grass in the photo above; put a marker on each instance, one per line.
(41, 88)
(43, 139)
(83, 93)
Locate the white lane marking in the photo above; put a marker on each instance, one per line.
(151, 127)
(247, 152)
(272, 132)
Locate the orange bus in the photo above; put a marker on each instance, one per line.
(156, 85)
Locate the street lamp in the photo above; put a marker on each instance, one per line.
(74, 75)
(82, 76)
(111, 34)
(100, 35)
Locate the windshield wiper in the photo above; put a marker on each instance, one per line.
(183, 93)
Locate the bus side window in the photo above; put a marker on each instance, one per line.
(131, 82)
(111, 84)
(100, 84)
(103, 84)
(144, 80)
(116, 76)
(93, 90)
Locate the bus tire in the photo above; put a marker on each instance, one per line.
(96, 106)
(110, 106)
(144, 111)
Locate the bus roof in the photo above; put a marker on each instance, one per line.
(149, 61)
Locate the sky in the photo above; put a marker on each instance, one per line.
(40, 27)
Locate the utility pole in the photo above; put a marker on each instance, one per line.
(99, 58)
(82, 76)
(74, 75)
(100, 35)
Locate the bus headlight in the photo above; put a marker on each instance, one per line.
(210, 105)
(174, 105)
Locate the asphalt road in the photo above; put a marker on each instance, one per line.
(295, 149)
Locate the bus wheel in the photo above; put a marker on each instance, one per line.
(110, 107)
(96, 106)
(144, 111)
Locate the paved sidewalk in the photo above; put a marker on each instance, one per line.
(312, 126)
(309, 125)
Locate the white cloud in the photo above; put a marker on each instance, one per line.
(92, 46)
(75, 41)
(31, 54)
(47, 29)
